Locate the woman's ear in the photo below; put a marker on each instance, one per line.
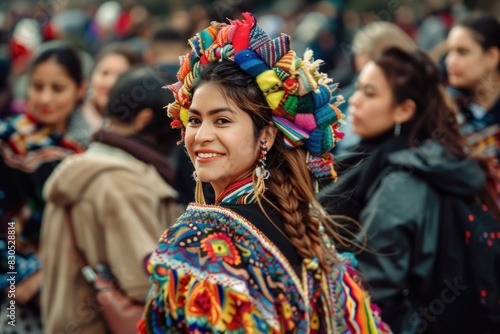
(269, 134)
(405, 111)
(82, 90)
(493, 57)
(142, 119)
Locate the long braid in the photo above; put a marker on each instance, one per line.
(291, 186)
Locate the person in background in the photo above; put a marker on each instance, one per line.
(31, 146)
(112, 60)
(368, 43)
(258, 123)
(473, 66)
(410, 158)
(166, 46)
(119, 196)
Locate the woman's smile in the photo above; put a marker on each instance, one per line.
(208, 156)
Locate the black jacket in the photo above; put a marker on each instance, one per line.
(395, 194)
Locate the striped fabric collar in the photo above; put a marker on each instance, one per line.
(239, 192)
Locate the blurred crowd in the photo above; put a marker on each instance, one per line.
(326, 27)
(95, 72)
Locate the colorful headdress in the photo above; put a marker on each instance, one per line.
(300, 97)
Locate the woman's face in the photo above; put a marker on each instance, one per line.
(371, 107)
(220, 138)
(466, 63)
(104, 77)
(52, 94)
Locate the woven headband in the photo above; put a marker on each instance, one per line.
(300, 97)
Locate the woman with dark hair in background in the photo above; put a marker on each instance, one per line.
(111, 61)
(410, 164)
(31, 146)
(119, 196)
(473, 66)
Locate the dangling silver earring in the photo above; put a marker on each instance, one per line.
(195, 176)
(397, 129)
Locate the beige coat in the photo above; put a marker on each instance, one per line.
(120, 207)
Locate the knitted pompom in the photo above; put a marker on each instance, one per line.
(185, 66)
(325, 116)
(173, 110)
(183, 116)
(321, 167)
(274, 50)
(306, 121)
(305, 104)
(270, 85)
(290, 85)
(290, 105)
(287, 62)
(241, 38)
(193, 61)
(321, 96)
(320, 141)
(329, 139)
(250, 62)
(202, 40)
(295, 133)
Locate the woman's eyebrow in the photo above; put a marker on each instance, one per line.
(213, 111)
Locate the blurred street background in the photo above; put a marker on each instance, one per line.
(327, 27)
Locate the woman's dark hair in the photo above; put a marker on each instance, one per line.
(290, 183)
(485, 27)
(138, 88)
(133, 57)
(64, 55)
(413, 76)
(485, 30)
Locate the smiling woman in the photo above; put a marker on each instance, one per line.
(53, 94)
(31, 146)
(258, 126)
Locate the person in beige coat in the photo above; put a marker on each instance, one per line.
(121, 201)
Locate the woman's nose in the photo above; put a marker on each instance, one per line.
(46, 96)
(205, 133)
(354, 99)
(449, 60)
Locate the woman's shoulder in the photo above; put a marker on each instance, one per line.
(212, 247)
(231, 228)
(400, 194)
(18, 124)
(396, 183)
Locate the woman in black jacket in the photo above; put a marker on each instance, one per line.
(411, 155)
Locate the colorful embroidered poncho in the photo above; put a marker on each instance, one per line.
(215, 272)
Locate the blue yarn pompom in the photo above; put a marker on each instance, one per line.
(250, 62)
